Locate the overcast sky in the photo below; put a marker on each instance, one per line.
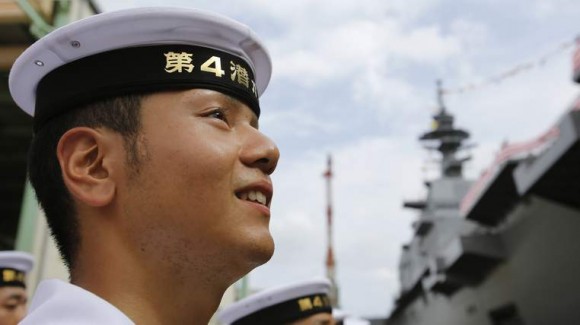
(357, 79)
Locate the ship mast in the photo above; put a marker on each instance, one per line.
(446, 139)
(330, 262)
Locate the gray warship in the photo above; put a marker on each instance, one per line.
(502, 249)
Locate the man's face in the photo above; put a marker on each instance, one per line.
(202, 192)
(12, 305)
(316, 319)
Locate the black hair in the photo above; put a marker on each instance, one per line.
(121, 114)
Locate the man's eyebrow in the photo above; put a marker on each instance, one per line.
(234, 102)
(231, 100)
(16, 296)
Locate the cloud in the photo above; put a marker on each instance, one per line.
(472, 34)
(548, 9)
(426, 45)
(358, 47)
(393, 100)
(298, 124)
(506, 111)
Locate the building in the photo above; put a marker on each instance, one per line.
(22, 225)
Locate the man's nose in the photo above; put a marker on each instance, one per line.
(259, 151)
(20, 312)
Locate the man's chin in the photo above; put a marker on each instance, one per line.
(260, 252)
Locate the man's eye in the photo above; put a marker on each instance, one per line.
(10, 306)
(219, 114)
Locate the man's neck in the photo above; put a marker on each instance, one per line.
(160, 303)
(145, 291)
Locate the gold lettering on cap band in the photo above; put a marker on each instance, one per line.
(143, 69)
(240, 73)
(216, 69)
(309, 303)
(326, 300)
(317, 302)
(9, 275)
(305, 304)
(178, 62)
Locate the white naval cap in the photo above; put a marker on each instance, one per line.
(339, 315)
(13, 267)
(344, 318)
(139, 50)
(280, 305)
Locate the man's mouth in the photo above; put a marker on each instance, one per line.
(253, 196)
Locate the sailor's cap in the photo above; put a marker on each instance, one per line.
(280, 305)
(13, 267)
(139, 50)
(339, 315)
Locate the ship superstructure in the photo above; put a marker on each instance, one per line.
(504, 248)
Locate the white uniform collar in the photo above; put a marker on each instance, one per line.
(59, 302)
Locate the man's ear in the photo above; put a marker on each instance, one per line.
(87, 157)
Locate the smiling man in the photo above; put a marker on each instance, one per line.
(148, 163)
(13, 297)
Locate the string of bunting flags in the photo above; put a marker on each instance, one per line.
(520, 68)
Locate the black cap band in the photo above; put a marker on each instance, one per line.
(289, 311)
(11, 278)
(140, 70)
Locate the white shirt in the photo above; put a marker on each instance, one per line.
(62, 303)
